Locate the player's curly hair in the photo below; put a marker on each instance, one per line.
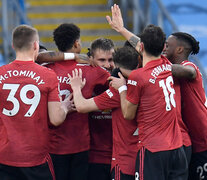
(154, 39)
(65, 36)
(126, 57)
(101, 43)
(190, 40)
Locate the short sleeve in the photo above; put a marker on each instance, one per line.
(134, 88)
(108, 100)
(188, 63)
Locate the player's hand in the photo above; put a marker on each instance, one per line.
(76, 80)
(68, 104)
(117, 82)
(116, 21)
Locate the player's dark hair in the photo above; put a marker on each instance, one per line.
(190, 40)
(22, 37)
(154, 39)
(101, 43)
(65, 36)
(127, 44)
(126, 57)
(115, 72)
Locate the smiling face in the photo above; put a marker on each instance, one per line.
(104, 58)
(170, 50)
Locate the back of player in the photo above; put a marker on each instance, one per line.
(25, 92)
(70, 142)
(150, 97)
(125, 133)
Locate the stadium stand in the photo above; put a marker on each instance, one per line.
(88, 15)
(172, 16)
(185, 15)
(12, 14)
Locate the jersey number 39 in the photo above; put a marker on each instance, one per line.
(34, 101)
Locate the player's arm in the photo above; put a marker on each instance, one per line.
(128, 109)
(116, 23)
(181, 71)
(82, 105)
(58, 111)
(53, 56)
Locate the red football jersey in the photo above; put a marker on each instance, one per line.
(25, 90)
(73, 135)
(183, 128)
(124, 132)
(100, 126)
(194, 109)
(151, 87)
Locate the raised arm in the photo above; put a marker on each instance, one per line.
(181, 71)
(82, 105)
(116, 23)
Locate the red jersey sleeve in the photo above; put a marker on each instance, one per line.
(134, 88)
(108, 99)
(53, 94)
(188, 63)
(103, 76)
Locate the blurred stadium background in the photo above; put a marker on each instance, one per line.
(45, 15)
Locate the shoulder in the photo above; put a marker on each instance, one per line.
(46, 71)
(188, 63)
(136, 74)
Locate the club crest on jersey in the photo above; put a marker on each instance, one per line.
(131, 82)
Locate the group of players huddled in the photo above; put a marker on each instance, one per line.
(135, 113)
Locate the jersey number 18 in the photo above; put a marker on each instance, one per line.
(169, 98)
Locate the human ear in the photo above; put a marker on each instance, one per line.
(179, 49)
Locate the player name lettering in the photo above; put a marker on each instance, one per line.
(110, 94)
(134, 83)
(63, 79)
(159, 69)
(26, 73)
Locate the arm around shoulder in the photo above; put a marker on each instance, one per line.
(181, 71)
